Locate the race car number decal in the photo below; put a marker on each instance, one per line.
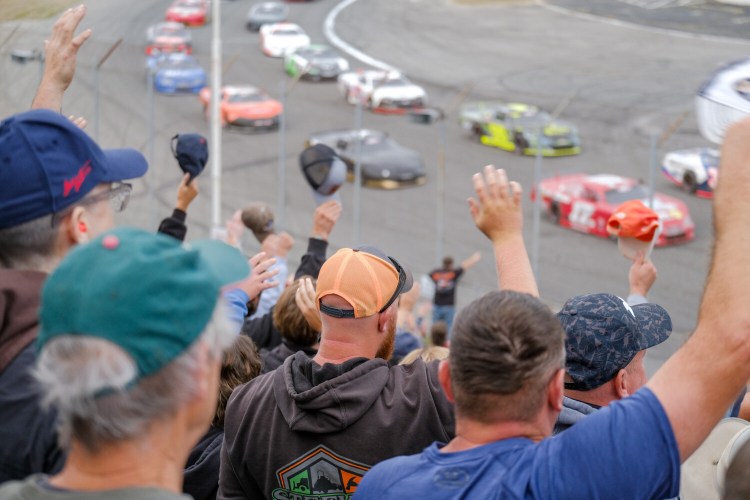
(581, 214)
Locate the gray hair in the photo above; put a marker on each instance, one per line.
(30, 245)
(88, 381)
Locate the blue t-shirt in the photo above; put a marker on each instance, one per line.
(626, 450)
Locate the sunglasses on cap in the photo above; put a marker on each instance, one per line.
(349, 313)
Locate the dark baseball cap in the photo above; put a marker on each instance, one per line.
(603, 333)
(324, 171)
(48, 164)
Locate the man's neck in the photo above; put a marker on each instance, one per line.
(136, 463)
(471, 434)
(601, 396)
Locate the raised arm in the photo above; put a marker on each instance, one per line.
(470, 261)
(497, 213)
(699, 382)
(324, 220)
(641, 278)
(60, 53)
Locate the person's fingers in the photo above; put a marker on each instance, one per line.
(270, 273)
(185, 179)
(309, 291)
(516, 191)
(473, 208)
(299, 299)
(479, 188)
(255, 259)
(81, 38)
(268, 284)
(491, 179)
(68, 22)
(78, 121)
(500, 186)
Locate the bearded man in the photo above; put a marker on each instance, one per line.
(316, 425)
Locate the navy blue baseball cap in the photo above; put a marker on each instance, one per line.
(603, 333)
(48, 164)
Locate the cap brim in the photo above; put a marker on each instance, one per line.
(124, 164)
(409, 281)
(226, 262)
(654, 323)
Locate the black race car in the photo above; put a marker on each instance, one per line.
(385, 163)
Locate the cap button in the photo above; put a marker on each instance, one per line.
(110, 242)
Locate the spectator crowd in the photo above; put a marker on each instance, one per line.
(134, 364)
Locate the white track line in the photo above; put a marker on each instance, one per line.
(625, 24)
(329, 29)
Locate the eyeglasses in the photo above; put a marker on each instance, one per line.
(118, 194)
(399, 287)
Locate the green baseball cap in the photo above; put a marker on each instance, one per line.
(147, 293)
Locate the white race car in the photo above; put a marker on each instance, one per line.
(280, 39)
(381, 90)
(695, 170)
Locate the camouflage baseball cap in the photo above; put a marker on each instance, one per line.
(603, 333)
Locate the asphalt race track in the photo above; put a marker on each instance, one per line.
(623, 83)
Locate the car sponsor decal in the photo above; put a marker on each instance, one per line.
(319, 474)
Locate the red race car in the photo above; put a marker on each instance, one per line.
(189, 12)
(168, 37)
(245, 106)
(584, 202)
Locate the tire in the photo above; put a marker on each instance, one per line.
(554, 213)
(520, 142)
(689, 182)
(477, 133)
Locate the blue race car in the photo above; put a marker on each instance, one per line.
(179, 73)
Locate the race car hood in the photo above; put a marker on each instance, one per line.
(287, 41)
(405, 92)
(265, 17)
(169, 40)
(324, 61)
(393, 163)
(558, 129)
(184, 11)
(181, 73)
(268, 109)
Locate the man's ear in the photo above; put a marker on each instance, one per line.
(390, 314)
(444, 377)
(77, 226)
(620, 384)
(555, 390)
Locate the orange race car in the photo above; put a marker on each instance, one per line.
(245, 106)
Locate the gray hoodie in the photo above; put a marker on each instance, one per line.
(309, 430)
(573, 411)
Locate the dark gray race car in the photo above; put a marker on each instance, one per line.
(266, 13)
(385, 163)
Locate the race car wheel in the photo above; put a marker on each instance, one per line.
(521, 143)
(689, 182)
(477, 132)
(554, 213)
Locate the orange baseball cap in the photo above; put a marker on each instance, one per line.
(368, 279)
(633, 219)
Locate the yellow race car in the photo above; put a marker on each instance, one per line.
(519, 127)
